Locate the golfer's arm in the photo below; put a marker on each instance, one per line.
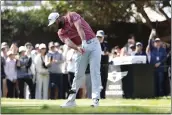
(80, 29)
(69, 43)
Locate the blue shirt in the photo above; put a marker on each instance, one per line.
(55, 67)
(22, 70)
(157, 55)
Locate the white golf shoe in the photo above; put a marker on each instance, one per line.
(95, 103)
(68, 104)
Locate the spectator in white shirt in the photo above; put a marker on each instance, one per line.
(34, 53)
(42, 74)
(11, 73)
(126, 50)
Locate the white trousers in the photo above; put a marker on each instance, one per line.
(91, 56)
(42, 84)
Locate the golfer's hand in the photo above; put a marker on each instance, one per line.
(80, 50)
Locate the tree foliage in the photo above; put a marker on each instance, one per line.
(96, 12)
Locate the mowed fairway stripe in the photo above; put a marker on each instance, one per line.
(79, 104)
(87, 102)
(106, 106)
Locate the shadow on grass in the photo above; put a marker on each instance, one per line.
(105, 109)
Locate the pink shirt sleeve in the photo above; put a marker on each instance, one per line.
(74, 16)
(62, 37)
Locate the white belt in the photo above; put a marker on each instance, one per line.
(90, 40)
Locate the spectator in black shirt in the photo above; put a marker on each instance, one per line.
(23, 65)
(104, 61)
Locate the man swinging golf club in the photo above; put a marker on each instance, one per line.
(76, 33)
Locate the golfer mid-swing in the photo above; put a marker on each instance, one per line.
(76, 33)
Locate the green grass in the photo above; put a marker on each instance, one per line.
(162, 105)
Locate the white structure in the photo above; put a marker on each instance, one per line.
(153, 14)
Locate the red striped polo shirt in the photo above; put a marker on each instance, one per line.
(69, 30)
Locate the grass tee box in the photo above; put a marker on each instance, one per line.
(162, 105)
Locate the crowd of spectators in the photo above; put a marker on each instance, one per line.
(48, 71)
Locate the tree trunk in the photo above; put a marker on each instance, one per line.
(166, 16)
(142, 11)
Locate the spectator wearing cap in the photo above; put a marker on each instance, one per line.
(157, 57)
(104, 61)
(127, 49)
(139, 49)
(11, 73)
(42, 82)
(3, 58)
(29, 48)
(24, 76)
(37, 47)
(32, 54)
(5, 44)
(4, 49)
(57, 46)
(132, 50)
(54, 60)
(35, 51)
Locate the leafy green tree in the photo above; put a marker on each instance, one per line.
(96, 12)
